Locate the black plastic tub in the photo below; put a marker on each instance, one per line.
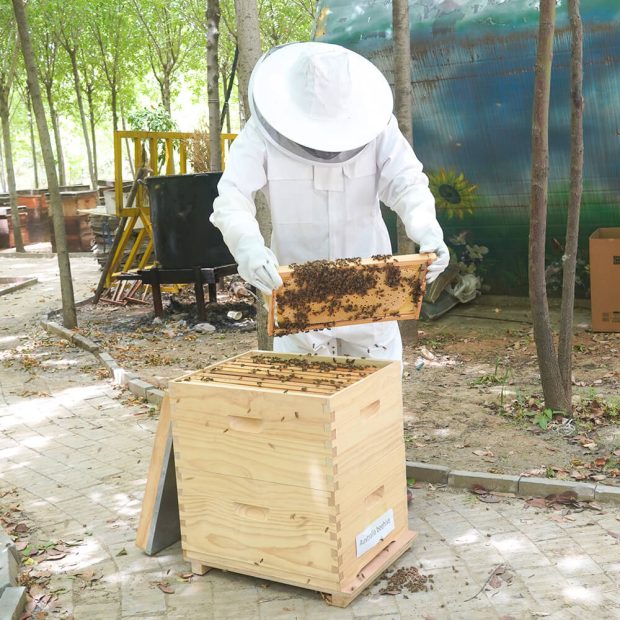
(183, 236)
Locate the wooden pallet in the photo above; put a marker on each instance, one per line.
(348, 292)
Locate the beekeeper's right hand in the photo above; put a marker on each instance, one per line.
(257, 265)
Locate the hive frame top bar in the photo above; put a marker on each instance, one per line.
(332, 384)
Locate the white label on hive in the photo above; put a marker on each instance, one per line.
(375, 532)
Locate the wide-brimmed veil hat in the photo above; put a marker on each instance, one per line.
(320, 95)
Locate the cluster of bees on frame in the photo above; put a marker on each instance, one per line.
(329, 286)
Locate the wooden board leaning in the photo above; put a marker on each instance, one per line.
(322, 294)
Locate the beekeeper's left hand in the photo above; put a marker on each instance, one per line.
(436, 245)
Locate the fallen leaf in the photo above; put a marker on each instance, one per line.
(495, 582)
(614, 534)
(54, 556)
(20, 528)
(478, 489)
(598, 477)
(483, 453)
(165, 588)
(567, 497)
(489, 499)
(123, 551)
(536, 502)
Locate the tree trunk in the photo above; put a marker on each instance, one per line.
(2, 173)
(569, 260)
(56, 129)
(114, 108)
(248, 40)
(248, 37)
(64, 266)
(126, 140)
(403, 112)
(78, 94)
(10, 171)
(33, 146)
(93, 135)
(164, 87)
(554, 394)
(213, 86)
(402, 93)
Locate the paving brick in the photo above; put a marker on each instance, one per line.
(541, 487)
(491, 482)
(426, 472)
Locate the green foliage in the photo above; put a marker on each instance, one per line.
(498, 377)
(542, 418)
(151, 119)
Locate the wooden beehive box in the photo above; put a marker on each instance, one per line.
(322, 293)
(292, 468)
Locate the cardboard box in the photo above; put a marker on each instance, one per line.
(292, 469)
(605, 279)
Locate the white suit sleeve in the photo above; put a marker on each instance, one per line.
(403, 187)
(234, 211)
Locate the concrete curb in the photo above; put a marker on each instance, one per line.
(519, 485)
(420, 472)
(12, 596)
(18, 285)
(150, 393)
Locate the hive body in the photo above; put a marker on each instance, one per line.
(292, 468)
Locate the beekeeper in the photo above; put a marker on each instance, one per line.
(323, 147)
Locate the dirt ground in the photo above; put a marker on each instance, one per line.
(470, 388)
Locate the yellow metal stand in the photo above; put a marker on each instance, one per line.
(140, 211)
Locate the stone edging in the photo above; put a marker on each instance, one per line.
(519, 485)
(420, 472)
(22, 283)
(119, 375)
(12, 596)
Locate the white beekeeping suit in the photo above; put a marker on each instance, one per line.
(324, 148)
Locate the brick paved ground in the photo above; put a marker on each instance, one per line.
(76, 454)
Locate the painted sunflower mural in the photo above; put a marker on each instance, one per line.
(453, 193)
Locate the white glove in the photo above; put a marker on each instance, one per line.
(258, 265)
(441, 262)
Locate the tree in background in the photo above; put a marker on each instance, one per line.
(8, 68)
(66, 284)
(52, 67)
(248, 40)
(166, 40)
(208, 23)
(555, 367)
(69, 31)
(91, 78)
(403, 112)
(565, 347)
(213, 84)
(120, 55)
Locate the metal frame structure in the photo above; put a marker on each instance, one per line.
(140, 211)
